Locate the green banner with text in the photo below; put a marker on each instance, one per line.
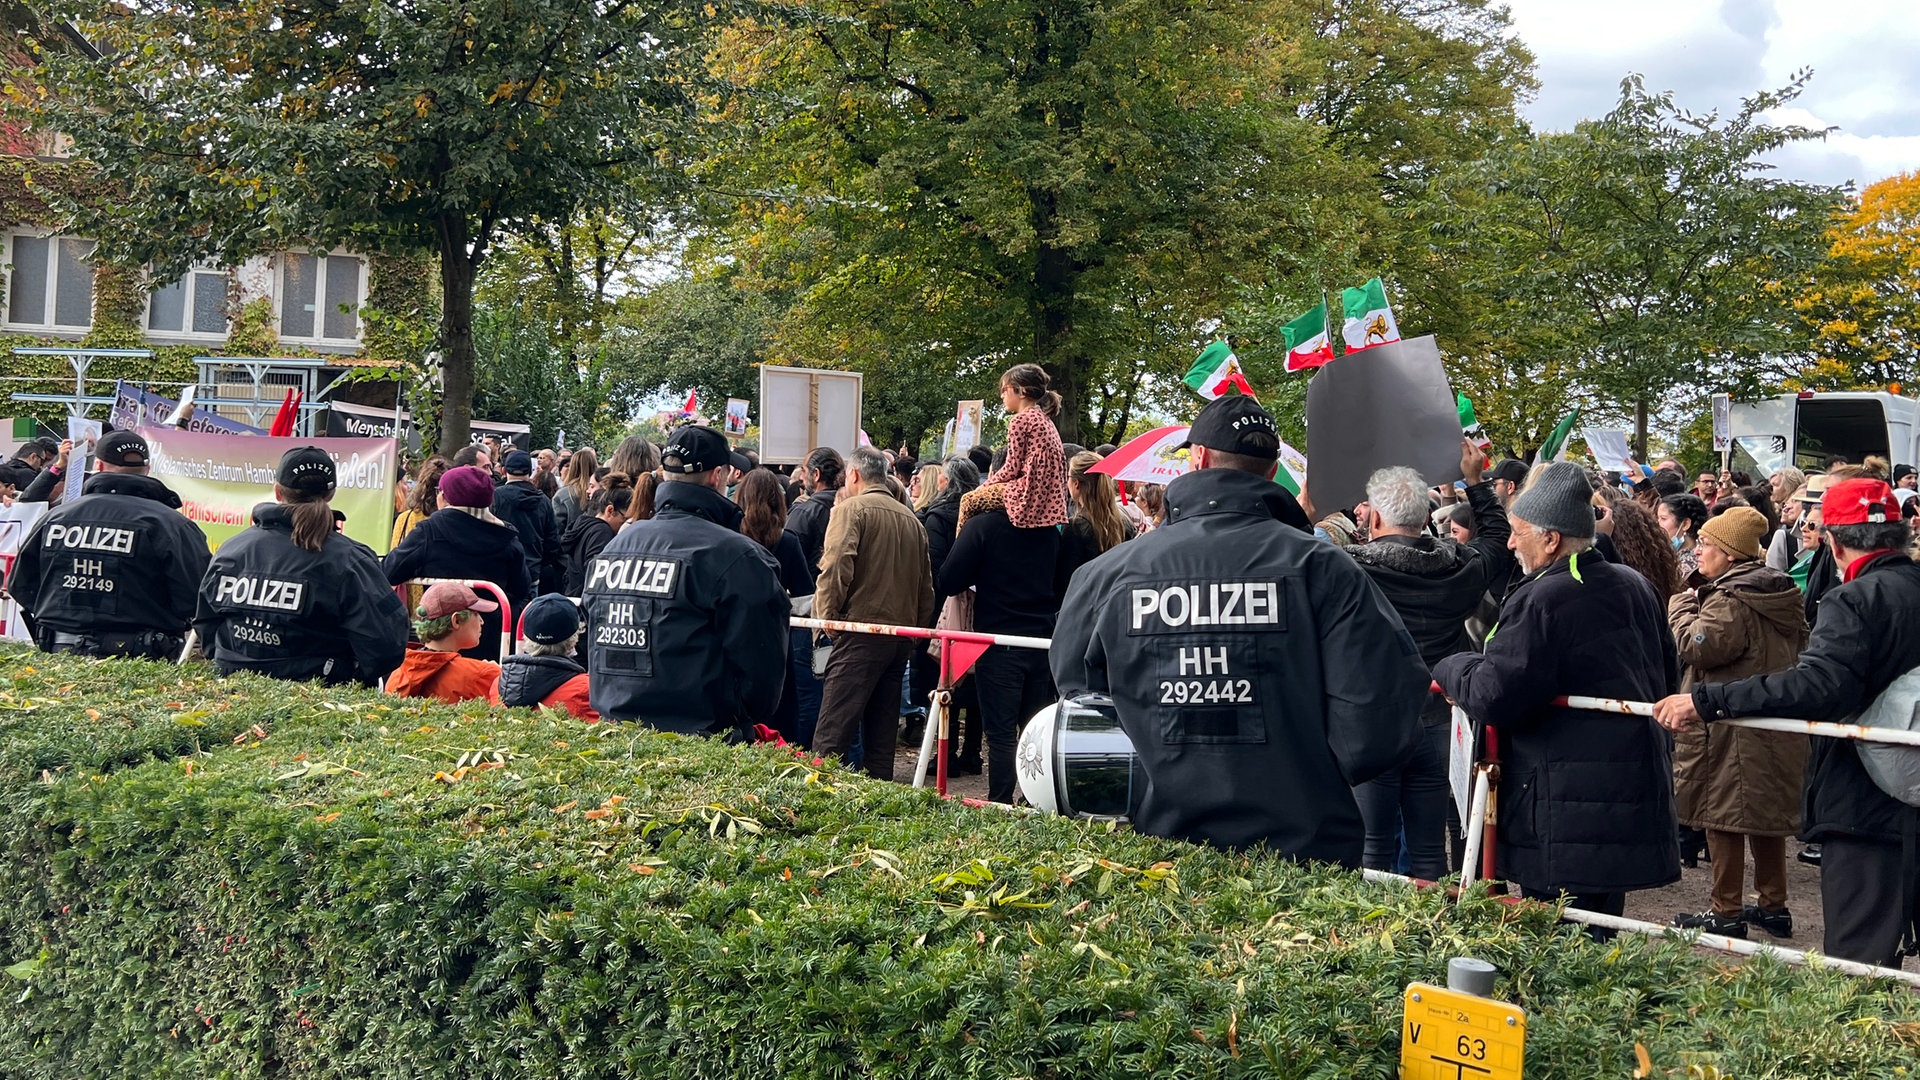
(221, 478)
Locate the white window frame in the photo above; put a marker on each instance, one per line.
(187, 333)
(52, 299)
(316, 339)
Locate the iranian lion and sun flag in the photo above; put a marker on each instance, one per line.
(1160, 455)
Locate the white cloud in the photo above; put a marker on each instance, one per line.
(1712, 53)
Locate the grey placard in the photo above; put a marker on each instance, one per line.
(1388, 405)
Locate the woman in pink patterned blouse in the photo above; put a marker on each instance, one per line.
(1035, 473)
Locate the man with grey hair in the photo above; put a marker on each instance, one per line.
(873, 568)
(1435, 584)
(1586, 797)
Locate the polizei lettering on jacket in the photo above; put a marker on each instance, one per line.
(272, 594)
(634, 574)
(1206, 604)
(90, 538)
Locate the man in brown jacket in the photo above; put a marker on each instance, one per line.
(873, 568)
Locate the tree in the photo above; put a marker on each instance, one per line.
(1863, 311)
(1652, 246)
(951, 189)
(434, 126)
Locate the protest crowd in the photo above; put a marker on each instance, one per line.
(1287, 672)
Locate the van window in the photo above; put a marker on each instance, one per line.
(1826, 428)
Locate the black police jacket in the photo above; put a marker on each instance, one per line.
(452, 543)
(270, 606)
(120, 559)
(1865, 639)
(531, 515)
(1586, 798)
(1258, 671)
(686, 619)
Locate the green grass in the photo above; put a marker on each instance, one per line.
(209, 878)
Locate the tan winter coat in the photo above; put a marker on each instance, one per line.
(1747, 621)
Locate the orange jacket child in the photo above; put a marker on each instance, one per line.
(447, 620)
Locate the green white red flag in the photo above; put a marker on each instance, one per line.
(1366, 320)
(1309, 344)
(1216, 373)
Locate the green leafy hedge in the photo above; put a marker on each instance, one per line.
(248, 878)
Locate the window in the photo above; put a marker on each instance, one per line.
(320, 297)
(50, 285)
(194, 305)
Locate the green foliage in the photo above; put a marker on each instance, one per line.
(398, 128)
(250, 878)
(1648, 256)
(524, 374)
(400, 314)
(254, 331)
(934, 192)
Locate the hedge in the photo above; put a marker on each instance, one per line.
(245, 878)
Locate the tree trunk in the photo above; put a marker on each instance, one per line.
(1055, 346)
(1640, 430)
(457, 266)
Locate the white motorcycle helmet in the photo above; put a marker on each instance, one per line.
(1074, 760)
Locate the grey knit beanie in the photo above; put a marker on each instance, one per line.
(1560, 499)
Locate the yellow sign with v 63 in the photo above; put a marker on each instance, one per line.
(1448, 1035)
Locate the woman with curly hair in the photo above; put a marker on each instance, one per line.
(1638, 541)
(1680, 517)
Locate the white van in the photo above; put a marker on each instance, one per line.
(1807, 430)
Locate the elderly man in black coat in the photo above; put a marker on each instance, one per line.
(1586, 798)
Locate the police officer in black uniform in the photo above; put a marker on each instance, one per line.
(686, 619)
(293, 597)
(115, 572)
(1259, 672)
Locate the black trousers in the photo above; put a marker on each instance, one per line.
(1862, 894)
(861, 692)
(1013, 685)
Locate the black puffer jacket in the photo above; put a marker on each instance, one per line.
(583, 541)
(525, 681)
(686, 619)
(807, 519)
(942, 519)
(1435, 584)
(1586, 798)
(522, 506)
(452, 543)
(1866, 638)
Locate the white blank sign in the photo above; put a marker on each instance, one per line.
(802, 408)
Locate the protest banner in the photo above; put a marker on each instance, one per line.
(220, 479)
(82, 434)
(737, 417)
(16, 522)
(134, 407)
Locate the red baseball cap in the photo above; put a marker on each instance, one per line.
(1859, 501)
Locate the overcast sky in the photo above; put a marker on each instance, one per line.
(1865, 56)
